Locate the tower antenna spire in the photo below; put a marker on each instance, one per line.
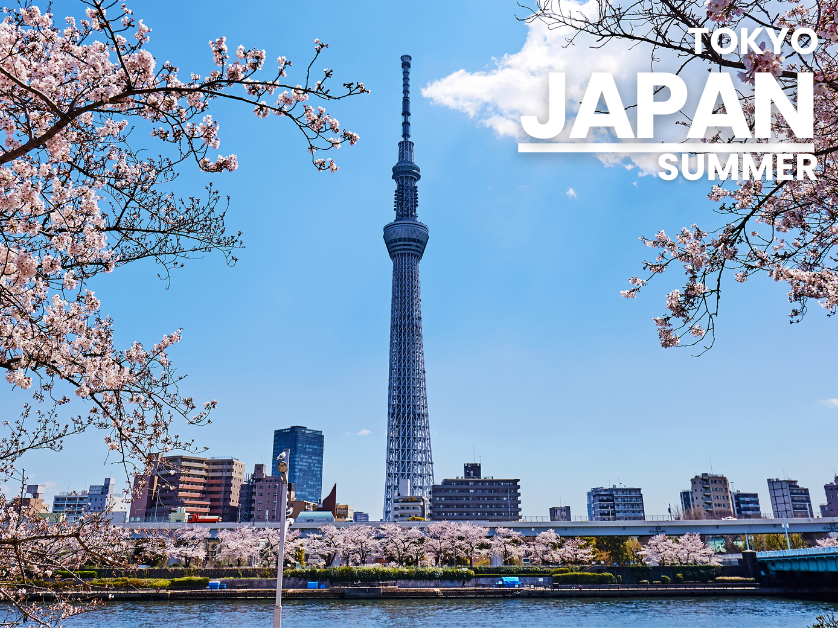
(406, 97)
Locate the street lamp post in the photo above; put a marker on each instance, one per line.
(284, 521)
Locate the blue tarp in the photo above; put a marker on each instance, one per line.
(511, 582)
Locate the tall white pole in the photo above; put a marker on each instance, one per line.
(283, 505)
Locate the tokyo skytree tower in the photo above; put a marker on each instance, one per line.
(408, 434)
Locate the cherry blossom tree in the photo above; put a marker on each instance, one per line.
(693, 551)
(543, 548)
(508, 544)
(404, 545)
(269, 539)
(33, 549)
(471, 541)
(186, 543)
(442, 541)
(80, 197)
(786, 230)
(327, 546)
(360, 543)
(660, 550)
(82, 102)
(575, 551)
(828, 542)
(239, 544)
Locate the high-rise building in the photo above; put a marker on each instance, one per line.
(746, 505)
(475, 498)
(305, 466)
(788, 499)
(205, 487)
(359, 516)
(618, 503)
(97, 498)
(710, 497)
(830, 508)
(560, 513)
(408, 432)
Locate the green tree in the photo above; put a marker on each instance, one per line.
(613, 549)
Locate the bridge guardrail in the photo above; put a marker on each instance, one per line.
(808, 551)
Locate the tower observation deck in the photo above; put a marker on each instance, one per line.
(408, 433)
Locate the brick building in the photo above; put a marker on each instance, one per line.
(207, 487)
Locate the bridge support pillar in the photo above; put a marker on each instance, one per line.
(749, 564)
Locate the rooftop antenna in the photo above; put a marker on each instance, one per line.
(711, 467)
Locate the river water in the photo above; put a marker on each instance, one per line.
(468, 613)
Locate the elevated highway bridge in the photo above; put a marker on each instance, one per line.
(709, 527)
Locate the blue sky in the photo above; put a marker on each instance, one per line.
(534, 362)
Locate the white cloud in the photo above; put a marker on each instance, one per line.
(363, 433)
(830, 403)
(571, 193)
(518, 85)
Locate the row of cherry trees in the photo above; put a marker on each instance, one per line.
(441, 543)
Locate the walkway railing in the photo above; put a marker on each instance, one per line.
(809, 551)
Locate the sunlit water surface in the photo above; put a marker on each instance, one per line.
(470, 613)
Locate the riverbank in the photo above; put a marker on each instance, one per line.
(391, 592)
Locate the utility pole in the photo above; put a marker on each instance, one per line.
(786, 527)
(284, 522)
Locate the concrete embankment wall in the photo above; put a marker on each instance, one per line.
(601, 591)
(299, 583)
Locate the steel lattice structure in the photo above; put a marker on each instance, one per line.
(408, 432)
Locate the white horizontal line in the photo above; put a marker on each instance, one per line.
(648, 147)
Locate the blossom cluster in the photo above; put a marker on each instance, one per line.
(723, 11)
